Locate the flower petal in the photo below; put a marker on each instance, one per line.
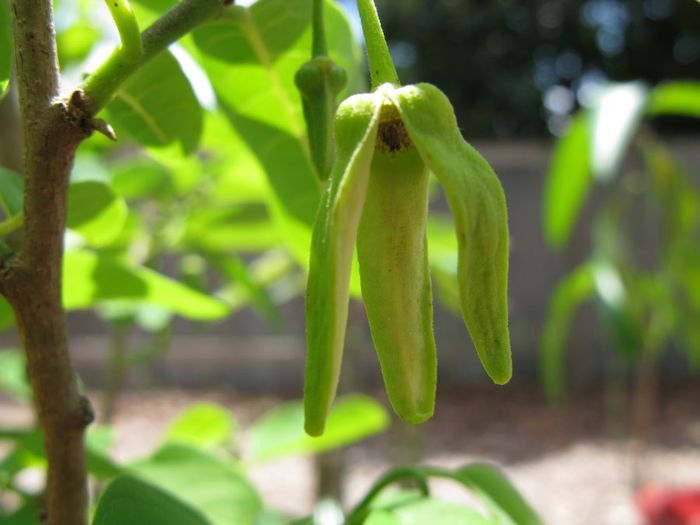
(332, 246)
(476, 199)
(392, 251)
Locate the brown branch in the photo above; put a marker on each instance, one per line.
(31, 281)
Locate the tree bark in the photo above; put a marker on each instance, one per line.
(31, 278)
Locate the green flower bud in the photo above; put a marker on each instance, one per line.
(377, 196)
(319, 82)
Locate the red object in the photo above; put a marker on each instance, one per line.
(667, 506)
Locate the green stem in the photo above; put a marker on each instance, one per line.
(417, 474)
(13, 223)
(319, 46)
(381, 67)
(102, 84)
(128, 27)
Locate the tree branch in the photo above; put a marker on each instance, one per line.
(31, 280)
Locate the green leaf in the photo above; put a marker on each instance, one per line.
(568, 181)
(490, 483)
(239, 274)
(616, 308)
(11, 189)
(229, 227)
(157, 106)
(7, 315)
(133, 501)
(332, 248)
(675, 98)
(27, 515)
(381, 517)
(203, 425)
(280, 432)
(6, 48)
(13, 374)
(615, 120)
(211, 485)
(442, 512)
(477, 202)
(142, 178)
(266, 109)
(95, 212)
(90, 278)
(573, 289)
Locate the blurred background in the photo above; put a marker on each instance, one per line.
(589, 112)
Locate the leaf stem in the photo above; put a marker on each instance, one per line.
(102, 84)
(128, 27)
(319, 46)
(417, 474)
(13, 223)
(381, 66)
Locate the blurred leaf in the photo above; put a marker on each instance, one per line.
(266, 110)
(95, 212)
(27, 515)
(202, 425)
(490, 483)
(211, 485)
(230, 227)
(571, 290)
(568, 181)
(157, 106)
(615, 119)
(11, 189)
(442, 246)
(13, 374)
(75, 42)
(141, 178)
(238, 273)
(31, 441)
(7, 315)
(675, 98)
(616, 308)
(133, 501)
(89, 278)
(270, 517)
(280, 432)
(428, 511)
(6, 48)
(381, 517)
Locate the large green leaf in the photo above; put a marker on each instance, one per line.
(203, 425)
(136, 502)
(281, 431)
(95, 212)
(675, 98)
(211, 485)
(90, 278)
(615, 119)
(568, 181)
(493, 486)
(266, 109)
(573, 289)
(157, 106)
(6, 48)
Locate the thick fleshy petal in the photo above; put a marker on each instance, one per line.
(332, 247)
(392, 251)
(476, 199)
